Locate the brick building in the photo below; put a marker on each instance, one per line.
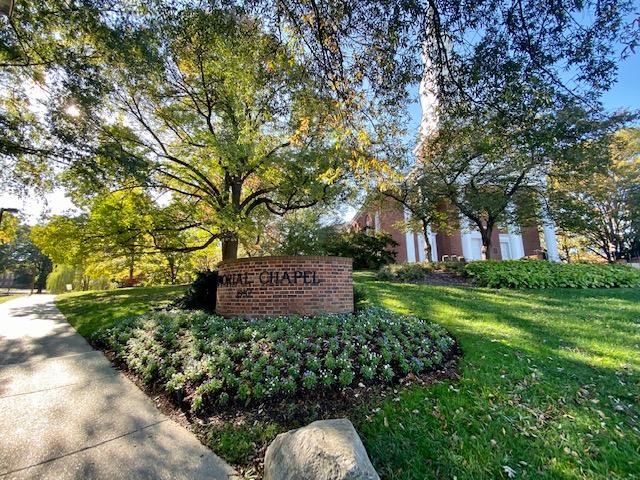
(460, 241)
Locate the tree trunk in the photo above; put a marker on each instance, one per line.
(229, 249)
(173, 271)
(174, 275)
(607, 251)
(485, 233)
(427, 241)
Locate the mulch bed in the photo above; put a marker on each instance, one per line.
(446, 279)
(443, 279)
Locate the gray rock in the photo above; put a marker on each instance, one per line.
(323, 450)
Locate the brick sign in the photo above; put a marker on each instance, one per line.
(262, 286)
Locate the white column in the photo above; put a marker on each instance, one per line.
(549, 230)
(465, 238)
(467, 248)
(421, 244)
(434, 244)
(409, 236)
(516, 244)
(376, 222)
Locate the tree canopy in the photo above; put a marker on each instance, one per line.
(603, 205)
(222, 117)
(228, 113)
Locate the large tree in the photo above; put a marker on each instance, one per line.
(221, 116)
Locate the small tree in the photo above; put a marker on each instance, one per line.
(61, 239)
(418, 195)
(118, 225)
(494, 167)
(115, 230)
(603, 205)
(23, 257)
(304, 232)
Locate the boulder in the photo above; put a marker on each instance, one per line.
(323, 450)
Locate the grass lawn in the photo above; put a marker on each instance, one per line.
(90, 311)
(549, 387)
(6, 298)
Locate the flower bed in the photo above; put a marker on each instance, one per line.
(543, 274)
(210, 361)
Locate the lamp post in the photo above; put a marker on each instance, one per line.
(10, 210)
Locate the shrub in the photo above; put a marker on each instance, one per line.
(416, 272)
(543, 274)
(201, 294)
(210, 360)
(369, 251)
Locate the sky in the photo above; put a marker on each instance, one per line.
(624, 94)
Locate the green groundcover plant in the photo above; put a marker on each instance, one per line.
(543, 274)
(209, 360)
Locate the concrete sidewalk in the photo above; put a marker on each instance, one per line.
(65, 413)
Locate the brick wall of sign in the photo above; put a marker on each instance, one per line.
(262, 286)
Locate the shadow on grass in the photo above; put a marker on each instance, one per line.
(548, 322)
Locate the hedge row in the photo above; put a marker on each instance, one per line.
(543, 274)
(209, 360)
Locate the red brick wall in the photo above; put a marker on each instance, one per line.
(496, 253)
(262, 286)
(449, 244)
(391, 214)
(531, 240)
(416, 246)
(390, 217)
